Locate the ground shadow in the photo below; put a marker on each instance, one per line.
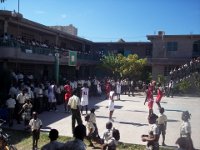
(133, 123)
(104, 117)
(171, 120)
(124, 100)
(138, 111)
(174, 110)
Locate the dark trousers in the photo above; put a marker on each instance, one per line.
(76, 116)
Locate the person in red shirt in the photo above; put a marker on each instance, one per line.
(68, 94)
(108, 89)
(159, 95)
(149, 97)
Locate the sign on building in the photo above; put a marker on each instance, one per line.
(72, 58)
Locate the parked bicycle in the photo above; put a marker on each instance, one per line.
(5, 139)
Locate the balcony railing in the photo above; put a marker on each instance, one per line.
(25, 48)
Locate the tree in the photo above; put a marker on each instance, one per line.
(124, 67)
(2, 1)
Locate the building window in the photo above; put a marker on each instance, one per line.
(148, 53)
(196, 49)
(172, 46)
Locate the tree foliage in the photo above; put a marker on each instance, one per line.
(124, 67)
(2, 1)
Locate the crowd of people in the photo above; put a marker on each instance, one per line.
(32, 43)
(179, 73)
(28, 97)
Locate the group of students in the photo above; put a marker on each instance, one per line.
(158, 123)
(158, 126)
(108, 141)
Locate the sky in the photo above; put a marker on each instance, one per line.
(111, 20)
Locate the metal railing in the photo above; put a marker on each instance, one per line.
(26, 48)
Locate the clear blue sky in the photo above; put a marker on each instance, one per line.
(110, 20)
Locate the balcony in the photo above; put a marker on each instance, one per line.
(13, 50)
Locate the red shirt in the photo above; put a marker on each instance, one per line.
(68, 88)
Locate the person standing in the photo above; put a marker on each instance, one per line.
(52, 97)
(159, 95)
(162, 124)
(35, 124)
(84, 98)
(20, 100)
(111, 103)
(11, 107)
(74, 104)
(171, 89)
(149, 98)
(185, 129)
(26, 112)
(118, 89)
(68, 94)
(107, 88)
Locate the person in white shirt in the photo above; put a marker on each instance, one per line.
(153, 137)
(185, 129)
(84, 97)
(35, 124)
(162, 124)
(118, 89)
(20, 99)
(73, 105)
(111, 103)
(11, 107)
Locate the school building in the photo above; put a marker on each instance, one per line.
(33, 48)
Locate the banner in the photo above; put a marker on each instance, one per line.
(72, 58)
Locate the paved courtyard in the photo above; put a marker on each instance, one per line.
(130, 117)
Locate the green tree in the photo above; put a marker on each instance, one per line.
(121, 66)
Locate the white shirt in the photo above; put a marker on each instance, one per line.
(84, 94)
(185, 128)
(35, 124)
(74, 102)
(11, 103)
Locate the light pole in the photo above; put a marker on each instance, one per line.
(18, 6)
(57, 69)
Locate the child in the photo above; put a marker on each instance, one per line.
(26, 115)
(35, 124)
(113, 142)
(149, 98)
(111, 103)
(182, 143)
(162, 124)
(68, 94)
(93, 120)
(153, 137)
(185, 130)
(84, 97)
(110, 137)
(107, 135)
(159, 95)
(91, 130)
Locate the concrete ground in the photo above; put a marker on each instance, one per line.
(130, 117)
